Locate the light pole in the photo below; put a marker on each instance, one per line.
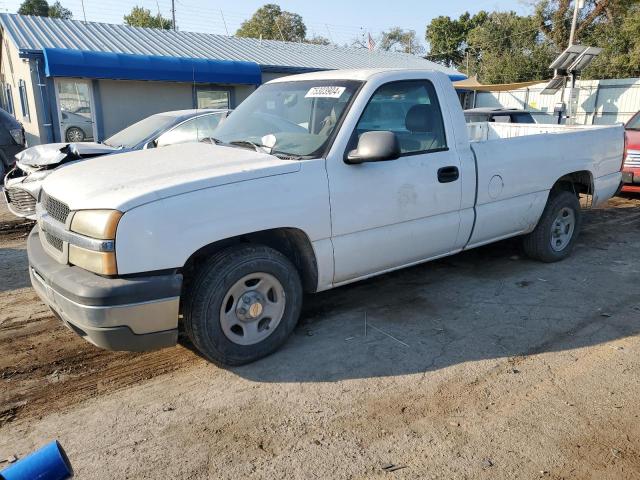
(173, 14)
(572, 91)
(578, 5)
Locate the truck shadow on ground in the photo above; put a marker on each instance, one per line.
(487, 303)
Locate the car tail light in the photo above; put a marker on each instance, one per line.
(18, 135)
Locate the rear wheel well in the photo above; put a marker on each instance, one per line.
(291, 242)
(579, 183)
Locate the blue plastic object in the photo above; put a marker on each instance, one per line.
(60, 62)
(48, 463)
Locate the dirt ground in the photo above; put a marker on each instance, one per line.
(481, 365)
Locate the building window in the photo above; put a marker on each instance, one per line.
(8, 98)
(24, 102)
(213, 98)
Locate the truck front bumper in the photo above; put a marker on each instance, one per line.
(133, 314)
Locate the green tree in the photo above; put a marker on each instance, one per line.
(398, 40)
(509, 48)
(447, 38)
(318, 40)
(272, 23)
(39, 8)
(620, 40)
(58, 11)
(142, 17)
(554, 18)
(613, 25)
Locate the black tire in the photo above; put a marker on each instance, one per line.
(214, 279)
(76, 132)
(538, 244)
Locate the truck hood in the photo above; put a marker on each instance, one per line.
(127, 180)
(55, 153)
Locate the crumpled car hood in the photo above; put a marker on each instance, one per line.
(54, 153)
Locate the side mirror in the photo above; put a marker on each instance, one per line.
(375, 146)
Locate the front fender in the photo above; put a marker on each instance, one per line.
(163, 234)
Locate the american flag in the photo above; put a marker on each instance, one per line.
(371, 44)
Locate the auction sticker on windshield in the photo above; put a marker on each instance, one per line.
(325, 92)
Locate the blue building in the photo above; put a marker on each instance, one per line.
(57, 75)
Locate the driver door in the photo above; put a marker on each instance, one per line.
(393, 213)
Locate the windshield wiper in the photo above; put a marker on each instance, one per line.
(286, 155)
(258, 147)
(246, 143)
(215, 141)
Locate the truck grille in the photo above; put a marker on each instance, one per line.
(633, 158)
(21, 201)
(54, 241)
(55, 208)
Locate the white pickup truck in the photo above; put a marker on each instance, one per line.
(315, 181)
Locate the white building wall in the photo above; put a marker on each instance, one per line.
(599, 102)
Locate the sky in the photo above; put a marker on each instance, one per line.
(338, 20)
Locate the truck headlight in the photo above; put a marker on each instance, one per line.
(100, 224)
(103, 263)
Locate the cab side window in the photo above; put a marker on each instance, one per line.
(409, 109)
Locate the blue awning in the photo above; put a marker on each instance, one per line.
(124, 66)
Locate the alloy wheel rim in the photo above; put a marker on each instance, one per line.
(252, 308)
(74, 136)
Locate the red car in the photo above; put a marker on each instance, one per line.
(631, 169)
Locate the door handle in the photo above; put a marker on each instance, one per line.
(448, 174)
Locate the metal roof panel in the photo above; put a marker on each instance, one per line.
(36, 33)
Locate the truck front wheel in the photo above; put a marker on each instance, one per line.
(556, 233)
(242, 304)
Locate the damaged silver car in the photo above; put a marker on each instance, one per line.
(22, 183)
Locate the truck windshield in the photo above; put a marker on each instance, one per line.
(290, 118)
(634, 123)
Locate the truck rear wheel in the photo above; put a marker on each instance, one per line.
(243, 304)
(556, 233)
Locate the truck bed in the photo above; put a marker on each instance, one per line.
(486, 131)
(517, 164)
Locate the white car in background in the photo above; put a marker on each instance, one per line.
(33, 165)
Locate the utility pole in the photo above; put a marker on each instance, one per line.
(578, 5)
(572, 91)
(173, 13)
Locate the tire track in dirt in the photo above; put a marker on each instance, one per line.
(44, 367)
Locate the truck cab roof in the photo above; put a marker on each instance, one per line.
(361, 74)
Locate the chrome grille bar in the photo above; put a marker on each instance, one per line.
(56, 229)
(22, 201)
(55, 208)
(633, 158)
